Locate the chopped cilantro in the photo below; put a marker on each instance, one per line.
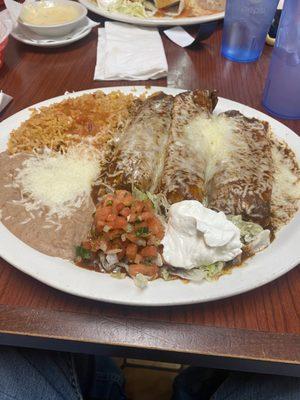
(83, 253)
(143, 230)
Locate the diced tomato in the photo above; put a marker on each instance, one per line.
(119, 207)
(120, 223)
(131, 251)
(124, 197)
(87, 244)
(111, 217)
(146, 215)
(156, 227)
(103, 212)
(137, 206)
(125, 212)
(110, 224)
(114, 234)
(149, 251)
(132, 237)
(132, 217)
(148, 270)
(100, 225)
(148, 206)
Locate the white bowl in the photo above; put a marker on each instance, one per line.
(57, 29)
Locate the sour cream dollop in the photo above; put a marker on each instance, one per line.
(197, 236)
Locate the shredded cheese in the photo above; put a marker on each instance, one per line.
(61, 182)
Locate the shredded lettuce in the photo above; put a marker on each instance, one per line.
(138, 194)
(213, 270)
(159, 201)
(136, 8)
(198, 274)
(165, 274)
(194, 274)
(249, 230)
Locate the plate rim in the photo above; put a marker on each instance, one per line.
(136, 302)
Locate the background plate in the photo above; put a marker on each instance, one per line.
(149, 21)
(281, 256)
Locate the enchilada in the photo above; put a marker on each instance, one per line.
(183, 175)
(138, 156)
(241, 179)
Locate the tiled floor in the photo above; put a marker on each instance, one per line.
(148, 380)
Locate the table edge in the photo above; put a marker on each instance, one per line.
(146, 335)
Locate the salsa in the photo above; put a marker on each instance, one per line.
(129, 230)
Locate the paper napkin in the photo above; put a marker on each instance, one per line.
(14, 9)
(4, 100)
(130, 53)
(180, 36)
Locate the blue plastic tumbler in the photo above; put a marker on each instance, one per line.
(282, 90)
(246, 25)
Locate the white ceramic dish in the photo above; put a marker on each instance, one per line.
(58, 29)
(280, 257)
(149, 21)
(83, 29)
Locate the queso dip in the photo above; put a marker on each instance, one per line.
(49, 13)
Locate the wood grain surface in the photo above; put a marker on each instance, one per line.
(262, 325)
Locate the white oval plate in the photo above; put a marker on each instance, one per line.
(281, 256)
(149, 21)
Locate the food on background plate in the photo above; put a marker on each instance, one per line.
(163, 8)
(157, 187)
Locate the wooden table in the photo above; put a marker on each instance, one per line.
(256, 331)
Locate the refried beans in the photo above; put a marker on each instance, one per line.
(54, 239)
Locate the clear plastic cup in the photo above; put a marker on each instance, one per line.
(282, 90)
(246, 25)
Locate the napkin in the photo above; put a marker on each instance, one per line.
(4, 100)
(6, 25)
(180, 36)
(14, 9)
(130, 53)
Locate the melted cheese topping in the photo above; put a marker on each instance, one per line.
(212, 138)
(140, 152)
(60, 182)
(238, 164)
(183, 170)
(286, 188)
